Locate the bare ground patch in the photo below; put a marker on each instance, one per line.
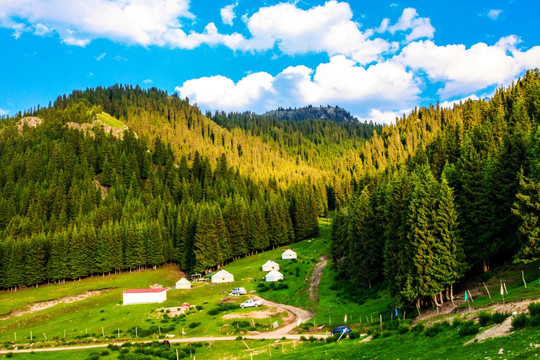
(42, 305)
(261, 314)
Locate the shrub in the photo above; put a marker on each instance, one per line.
(520, 321)
(193, 325)
(433, 330)
(354, 335)
(112, 347)
(535, 320)
(199, 307)
(93, 357)
(498, 318)
(468, 328)
(375, 334)
(402, 329)
(418, 328)
(534, 308)
(9, 355)
(484, 319)
(104, 353)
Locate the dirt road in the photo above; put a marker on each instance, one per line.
(316, 280)
(295, 314)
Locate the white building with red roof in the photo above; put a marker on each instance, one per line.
(144, 296)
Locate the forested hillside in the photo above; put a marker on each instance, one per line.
(444, 192)
(76, 203)
(333, 113)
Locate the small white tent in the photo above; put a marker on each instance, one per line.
(270, 265)
(222, 276)
(144, 296)
(183, 283)
(288, 254)
(273, 276)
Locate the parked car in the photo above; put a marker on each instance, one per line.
(251, 303)
(238, 291)
(341, 329)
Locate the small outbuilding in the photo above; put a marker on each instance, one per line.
(183, 283)
(273, 276)
(270, 265)
(222, 276)
(288, 254)
(144, 296)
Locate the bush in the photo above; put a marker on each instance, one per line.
(468, 328)
(9, 355)
(112, 347)
(534, 308)
(520, 321)
(104, 353)
(402, 329)
(199, 307)
(193, 325)
(434, 330)
(484, 319)
(498, 318)
(354, 335)
(418, 328)
(375, 334)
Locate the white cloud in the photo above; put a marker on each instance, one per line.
(420, 27)
(384, 117)
(340, 81)
(100, 56)
(450, 104)
(467, 70)
(227, 14)
(78, 22)
(493, 14)
(219, 92)
(147, 81)
(3, 112)
(328, 28)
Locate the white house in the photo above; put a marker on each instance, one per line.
(183, 283)
(144, 296)
(288, 254)
(270, 265)
(222, 276)
(273, 276)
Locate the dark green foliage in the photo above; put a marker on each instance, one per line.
(534, 308)
(484, 319)
(435, 329)
(520, 321)
(193, 325)
(498, 318)
(468, 327)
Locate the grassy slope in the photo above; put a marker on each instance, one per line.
(109, 120)
(446, 345)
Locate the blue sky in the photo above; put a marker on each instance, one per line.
(377, 59)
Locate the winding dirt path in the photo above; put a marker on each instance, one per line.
(291, 321)
(316, 280)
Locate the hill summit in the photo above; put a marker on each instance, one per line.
(332, 113)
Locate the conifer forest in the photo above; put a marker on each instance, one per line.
(419, 204)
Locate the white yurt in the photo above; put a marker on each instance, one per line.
(222, 276)
(288, 254)
(144, 296)
(270, 265)
(183, 283)
(273, 276)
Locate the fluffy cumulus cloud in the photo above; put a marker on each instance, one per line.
(340, 81)
(328, 28)
(384, 117)
(416, 26)
(3, 112)
(467, 70)
(227, 14)
(79, 21)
